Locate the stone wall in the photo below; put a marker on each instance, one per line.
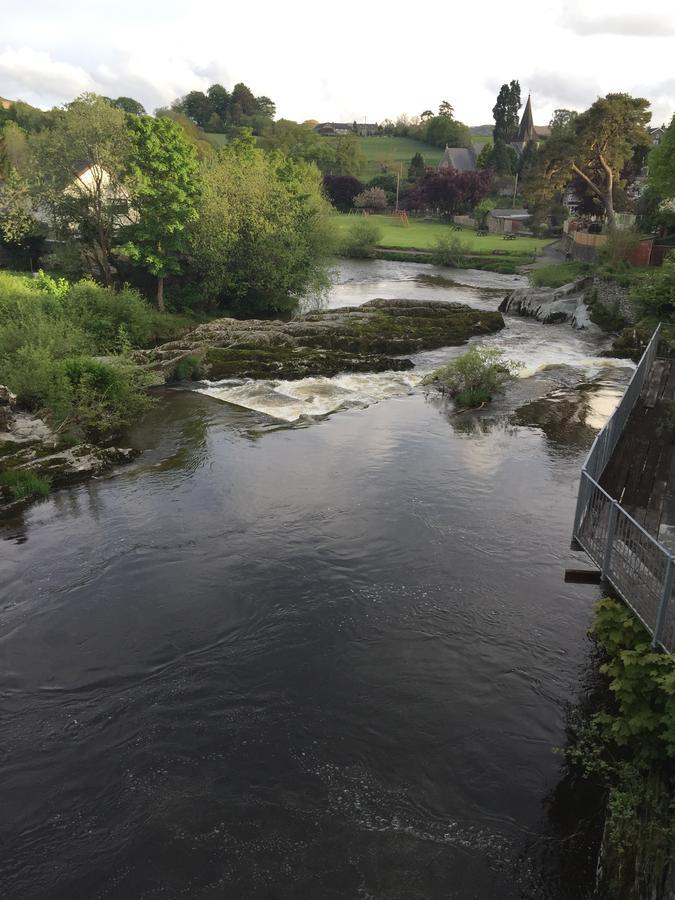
(612, 295)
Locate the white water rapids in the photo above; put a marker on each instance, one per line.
(527, 341)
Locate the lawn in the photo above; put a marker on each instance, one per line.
(422, 235)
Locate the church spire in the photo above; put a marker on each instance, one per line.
(526, 131)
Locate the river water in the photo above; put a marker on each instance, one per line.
(293, 654)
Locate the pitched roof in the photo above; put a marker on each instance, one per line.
(526, 130)
(461, 158)
(509, 213)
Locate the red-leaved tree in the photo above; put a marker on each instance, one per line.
(449, 191)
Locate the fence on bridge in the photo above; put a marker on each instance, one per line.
(636, 564)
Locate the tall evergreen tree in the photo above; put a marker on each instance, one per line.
(505, 112)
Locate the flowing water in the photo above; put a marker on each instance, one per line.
(314, 642)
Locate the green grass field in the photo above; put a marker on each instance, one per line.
(393, 151)
(422, 235)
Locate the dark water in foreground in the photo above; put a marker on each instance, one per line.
(330, 660)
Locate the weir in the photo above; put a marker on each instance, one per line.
(624, 505)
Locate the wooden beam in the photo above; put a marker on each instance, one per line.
(583, 576)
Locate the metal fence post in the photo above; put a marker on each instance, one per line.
(581, 503)
(665, 600)
(611, 526)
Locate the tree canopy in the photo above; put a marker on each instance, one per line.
(164, 176)
(264, 233)
(595, 148)
(505, 112)
(450, 191)
(662, 164)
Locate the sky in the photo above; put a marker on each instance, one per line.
(347, 61)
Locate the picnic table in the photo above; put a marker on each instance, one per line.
(510, 237)
(481, 232)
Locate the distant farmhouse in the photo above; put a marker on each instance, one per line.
(331, 129)
(464, 159)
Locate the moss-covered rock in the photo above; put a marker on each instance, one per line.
(350, 339)
(301, 362)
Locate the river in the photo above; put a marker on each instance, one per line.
(315, 644)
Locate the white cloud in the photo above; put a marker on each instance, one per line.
(33, 75)
(623, 18)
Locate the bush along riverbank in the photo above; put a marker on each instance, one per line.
(69, 388)
(628, 746)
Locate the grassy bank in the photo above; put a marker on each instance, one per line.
(422, 235)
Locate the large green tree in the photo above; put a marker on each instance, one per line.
(164, 180)
(662, 164)
(264, 230)
(78, 174)
(505, 112)
(596, 149)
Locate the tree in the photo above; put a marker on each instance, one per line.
(504, 159)
(662, 164)
(17, 220)
(129, 105)
(243, 103)
(482, 211)
(371, 198)
(341, 190)
(505, 112)
(562, 122)
(441, 131)
(264, 232)
(426, 115)
(348, 157)
(299, 142)
(196, 106)
(219, 99)
(446, 109)
(450, 191)
(417, 166)
(78, 173)
(604, 138)
(14, 150)
(486, 157)
(191, 132)
(266, 107)
(164, 172)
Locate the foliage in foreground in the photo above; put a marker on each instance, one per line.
(630, 746)
(49, 332)
(475, 377)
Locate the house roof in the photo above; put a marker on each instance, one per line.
(510, 213)
(461, 158)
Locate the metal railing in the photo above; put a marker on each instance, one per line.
(637, 565)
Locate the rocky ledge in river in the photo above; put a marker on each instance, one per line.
(550, 305)
(370, 338)
(28, 445)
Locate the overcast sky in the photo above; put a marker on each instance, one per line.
(343, 61)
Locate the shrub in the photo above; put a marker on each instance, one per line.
(188, 369)
(371, 198)
(106, 397)
(104, 310)
(450, 250)
(474, 377)
(654, 295)
(620, 244)
(21, 484)
(557, 274)
(362, 239)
